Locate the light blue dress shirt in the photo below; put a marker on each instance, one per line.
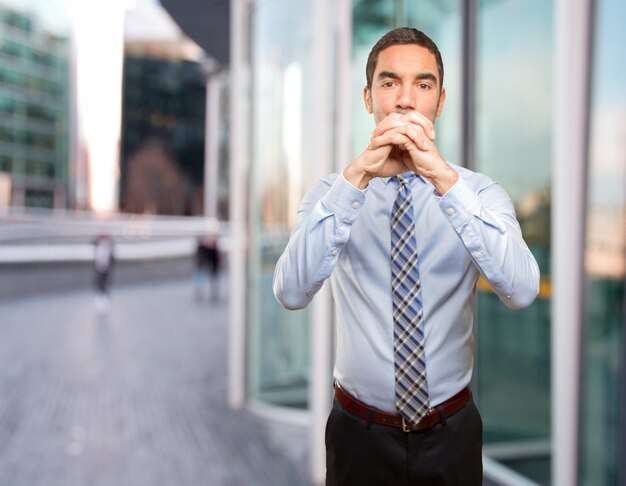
(343, 233)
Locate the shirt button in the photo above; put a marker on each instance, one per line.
(478, 254)
(333, 252)
(450, 212)
(356, 205)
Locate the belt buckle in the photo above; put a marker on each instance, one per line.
(406, 426)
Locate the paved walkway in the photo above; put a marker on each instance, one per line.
(136, 398)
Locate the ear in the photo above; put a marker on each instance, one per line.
(442, 100)
(367, 99)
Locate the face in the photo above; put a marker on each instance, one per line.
(406, 79)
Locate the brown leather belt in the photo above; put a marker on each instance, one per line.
(432, 418)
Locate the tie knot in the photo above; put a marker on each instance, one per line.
(406, 178)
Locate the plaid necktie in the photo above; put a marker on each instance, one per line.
(410, 365)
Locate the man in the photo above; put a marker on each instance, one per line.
(403, 236)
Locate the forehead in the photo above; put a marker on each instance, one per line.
(406, 60)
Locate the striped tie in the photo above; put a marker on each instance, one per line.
(410, 365)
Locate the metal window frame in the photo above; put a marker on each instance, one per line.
(468, 83)
(573, 34)
(238, 150)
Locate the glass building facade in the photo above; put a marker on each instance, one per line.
(499, 58)
(35, 101)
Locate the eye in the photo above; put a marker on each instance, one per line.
(388, 84)
(423, 86)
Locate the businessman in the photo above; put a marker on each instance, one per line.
(403, 236)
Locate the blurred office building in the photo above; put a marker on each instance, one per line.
(108, 108)
(35, 104)
(526, 106)
(163, 152)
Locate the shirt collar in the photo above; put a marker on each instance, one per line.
(386, 180)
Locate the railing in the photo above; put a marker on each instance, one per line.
(43, 235)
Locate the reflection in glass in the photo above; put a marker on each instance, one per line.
(513, 147)
(282, 167)
(605, 257)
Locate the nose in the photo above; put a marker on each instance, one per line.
(406, 98)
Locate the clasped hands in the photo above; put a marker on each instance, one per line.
(401, 143)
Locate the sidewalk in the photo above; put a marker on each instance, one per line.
(136, 397)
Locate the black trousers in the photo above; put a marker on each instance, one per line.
(447, 454)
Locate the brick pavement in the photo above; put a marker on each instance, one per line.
(136, 398)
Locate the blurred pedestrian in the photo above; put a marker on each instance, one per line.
(207, 267)
(103, 266)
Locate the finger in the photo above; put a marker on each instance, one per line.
(396, 120)
(389, 123)
(393, 137)
(418, 136)
(415, 135)
(417, 118)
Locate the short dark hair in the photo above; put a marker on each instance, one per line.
(402, 35)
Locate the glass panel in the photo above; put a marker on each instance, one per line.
(513, 146)
(441, 21)
(282, 162)
(605, 257)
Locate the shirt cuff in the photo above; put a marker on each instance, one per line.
(344, 200)
(459, 203)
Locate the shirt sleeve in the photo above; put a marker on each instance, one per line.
(325, 218)
(485, 221)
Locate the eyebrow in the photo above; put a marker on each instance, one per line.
(420, 76)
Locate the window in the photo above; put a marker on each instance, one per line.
(282, 158)
(513, 147)
(602, 411)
